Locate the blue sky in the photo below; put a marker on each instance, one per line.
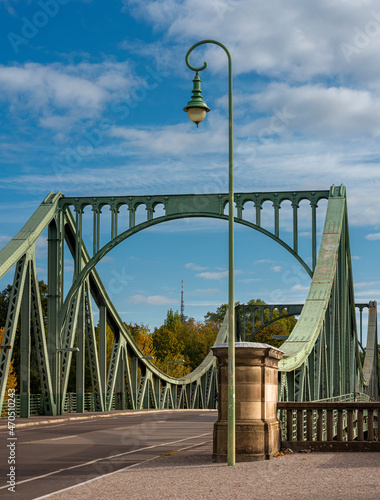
(67, 65)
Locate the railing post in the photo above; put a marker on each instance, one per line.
(289, 425)
(300, 433)
(360, 425)
(309, 425)
(371, 434)
(350, 425)
(340, 426)
(320, 426)
(330, 425)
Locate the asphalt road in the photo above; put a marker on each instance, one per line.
(50, 457)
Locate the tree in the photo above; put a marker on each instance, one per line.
(280, 327)
(5, 295)
(168, 345)
(142, 337)
(12, 379)
(189, 340)
(218, 316)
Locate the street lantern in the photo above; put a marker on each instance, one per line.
(197, 115)
(196, 109)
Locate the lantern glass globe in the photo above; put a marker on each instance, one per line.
(196, 115)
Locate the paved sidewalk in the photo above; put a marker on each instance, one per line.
(191, 475)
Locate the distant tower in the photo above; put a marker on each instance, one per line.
(183, 317)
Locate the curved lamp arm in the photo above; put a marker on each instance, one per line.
(205, 64)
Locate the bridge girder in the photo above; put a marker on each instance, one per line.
(323, 343)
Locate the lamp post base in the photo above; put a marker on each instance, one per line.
(255, 440)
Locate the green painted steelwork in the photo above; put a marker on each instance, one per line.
(246, 312)
(321, 355)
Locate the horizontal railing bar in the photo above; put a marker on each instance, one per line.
(342, 446)
(334, 405)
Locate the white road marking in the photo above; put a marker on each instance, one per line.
(62, 437)
(48, 439)
(105, 458)
(116, 471)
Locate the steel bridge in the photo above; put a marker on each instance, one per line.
(322, 357)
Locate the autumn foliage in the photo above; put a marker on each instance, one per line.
(12, 379)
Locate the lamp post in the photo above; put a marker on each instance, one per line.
(172, 362)
(197, 110)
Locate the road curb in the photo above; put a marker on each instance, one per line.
(4, 424)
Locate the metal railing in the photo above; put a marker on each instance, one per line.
(37, 404)
(330, 425)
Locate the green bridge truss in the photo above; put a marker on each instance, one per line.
(322, 358)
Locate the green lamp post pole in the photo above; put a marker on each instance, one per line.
(196, 110)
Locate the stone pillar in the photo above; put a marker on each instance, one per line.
(256, 392)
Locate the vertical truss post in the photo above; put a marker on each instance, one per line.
(113, 370)
(103, 349)
(40, 342)
(295, 226)
(132, 215)
(120, 382)
(80, 356)
(25, 346)
(276, 207)
(96, 230)
(67, 342)
(78, 241)
(114, 212)
(11, 324)
(54, 299)
(134, 376)
(92, 349)
(146, 391)
(314, 232)
(258, 208)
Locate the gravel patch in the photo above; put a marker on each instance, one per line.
(191, 475)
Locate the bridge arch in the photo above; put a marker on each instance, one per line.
(84, 273)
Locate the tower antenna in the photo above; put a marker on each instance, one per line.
(183, 317)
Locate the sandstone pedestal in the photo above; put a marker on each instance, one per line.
(256, 388)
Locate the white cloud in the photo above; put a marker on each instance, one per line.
(298, 39)
(299, 288)
(365, 284)
(63, 94)
(372, 237)
(194, 267)
(153, 300)
(175, 140)
(313, 110)
(209, 275)
(276, 269)
(217, 275)
(368, 294)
